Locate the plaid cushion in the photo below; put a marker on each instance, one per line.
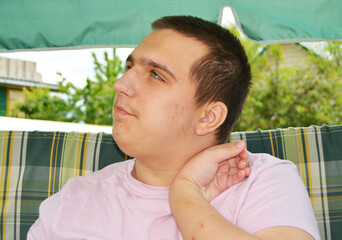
(35, 165)
(317, 152)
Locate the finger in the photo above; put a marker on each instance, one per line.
(242, 164)
(244, 154)
(248, 171)
(224, 151)
(233, 162)
(241, 175)
(243, 161)
(237, 163)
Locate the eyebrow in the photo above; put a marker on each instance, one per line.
(150, 62)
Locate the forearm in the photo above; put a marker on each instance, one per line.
(197, 219)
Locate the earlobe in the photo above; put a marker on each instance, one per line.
(211, 119)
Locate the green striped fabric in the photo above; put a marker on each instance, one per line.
(35, 165)
(317, 152)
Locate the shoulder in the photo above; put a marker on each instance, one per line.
(268, 173)
(81, 193)
(265, 167)
(274, 177)
(70, 206)
(104, 176)
(96, 182)
(274, 195)
(260, 162)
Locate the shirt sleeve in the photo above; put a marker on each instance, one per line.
(47, 212)
(35, 231)
(277, 197)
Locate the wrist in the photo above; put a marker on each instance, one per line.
(183, 191)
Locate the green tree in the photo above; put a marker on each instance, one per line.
(90, 104)
(39, 104)
(303, 95)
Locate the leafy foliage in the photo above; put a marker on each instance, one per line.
(39, 104)
(282, 96)
(91, 104)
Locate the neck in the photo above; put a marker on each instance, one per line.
(153, 176)
(161, 169)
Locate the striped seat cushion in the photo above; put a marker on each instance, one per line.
(35, 165)
(317, 152)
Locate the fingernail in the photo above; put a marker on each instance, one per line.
(240, 144)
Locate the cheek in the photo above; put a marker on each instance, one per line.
(173, 111)
(179, 113)
(176, 110)
(169, 110)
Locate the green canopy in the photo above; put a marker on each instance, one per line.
(41, 24)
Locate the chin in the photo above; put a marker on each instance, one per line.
(124, 144)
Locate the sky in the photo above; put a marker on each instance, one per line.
(77, 65)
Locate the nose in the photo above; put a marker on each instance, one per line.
(125, 85)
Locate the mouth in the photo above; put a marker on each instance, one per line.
(122, 111)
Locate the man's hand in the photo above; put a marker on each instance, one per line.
(215, 169)
(204, 177)
(200, 180)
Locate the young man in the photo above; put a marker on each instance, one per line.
(185, 86)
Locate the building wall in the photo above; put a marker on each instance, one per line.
(14, 96)
(19, 69)
(8, 98)
(293, 55)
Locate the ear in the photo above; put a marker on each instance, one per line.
(213, 115)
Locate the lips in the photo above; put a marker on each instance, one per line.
(122, 111)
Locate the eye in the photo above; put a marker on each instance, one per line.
(156, 76)
(128, 67)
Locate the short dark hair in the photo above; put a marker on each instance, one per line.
(223, 74)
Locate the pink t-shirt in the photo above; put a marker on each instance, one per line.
(111, 204)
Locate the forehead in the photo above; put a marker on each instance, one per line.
(172, 49)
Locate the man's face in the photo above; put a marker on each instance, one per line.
(154, 108)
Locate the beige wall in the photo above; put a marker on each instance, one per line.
(13, 96)
(293, 56)
(20, 69)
